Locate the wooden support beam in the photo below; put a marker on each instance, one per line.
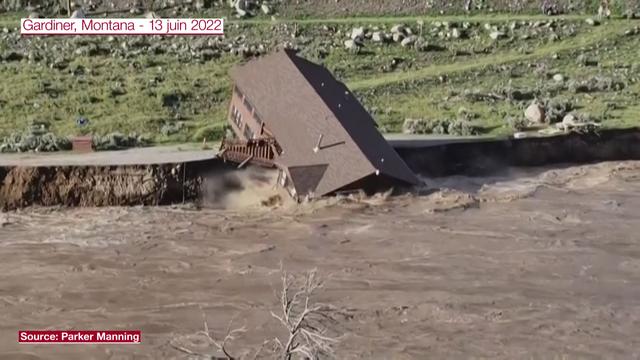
(243, 163)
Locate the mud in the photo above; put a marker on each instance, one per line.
(90, 186)
(203, 182)
(536, 263)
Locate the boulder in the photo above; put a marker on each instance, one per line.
(495, 35)
(241, 12)
(151, 15)
(242, 7)
(78, 14)
(409, 41)
(34, 15)
(357, 34)
(558, 78)
(569, 121)
(379, 36)
(351, 45)
(397, 37)
(592, 22)
(399, 29)
(535, 113)
(266, 9)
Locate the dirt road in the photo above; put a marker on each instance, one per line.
(530, 264)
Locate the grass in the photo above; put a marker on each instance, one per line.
(586, 39)
(140, 108)
(496, 18)
(137, 93)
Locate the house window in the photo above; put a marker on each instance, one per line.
(236, 116)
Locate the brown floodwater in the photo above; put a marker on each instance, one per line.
(537, 263)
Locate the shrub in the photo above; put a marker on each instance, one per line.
(211, 132)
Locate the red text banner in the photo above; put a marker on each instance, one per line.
(79, 336)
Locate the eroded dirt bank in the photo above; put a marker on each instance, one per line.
(529, 263)
(214, 183)
(125, 185)
(484, 157)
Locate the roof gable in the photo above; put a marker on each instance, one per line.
(306, 178)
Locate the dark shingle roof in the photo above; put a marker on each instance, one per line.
(299, 101)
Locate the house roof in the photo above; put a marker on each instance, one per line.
(301, 103)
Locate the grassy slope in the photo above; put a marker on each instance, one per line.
(428, 98)
(12, 19)
(140, 109)
(204, 87)
(407, 19)
(583, 40)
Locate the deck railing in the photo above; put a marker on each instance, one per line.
(258, 151)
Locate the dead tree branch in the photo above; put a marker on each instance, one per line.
(231, 334)
(310, 326)
(307, 324)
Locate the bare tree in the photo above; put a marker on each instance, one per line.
(220, 345)
(307, 326)
(307, 323)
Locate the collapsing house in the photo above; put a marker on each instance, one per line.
(290, 113)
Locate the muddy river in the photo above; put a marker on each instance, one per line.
(537, 263)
